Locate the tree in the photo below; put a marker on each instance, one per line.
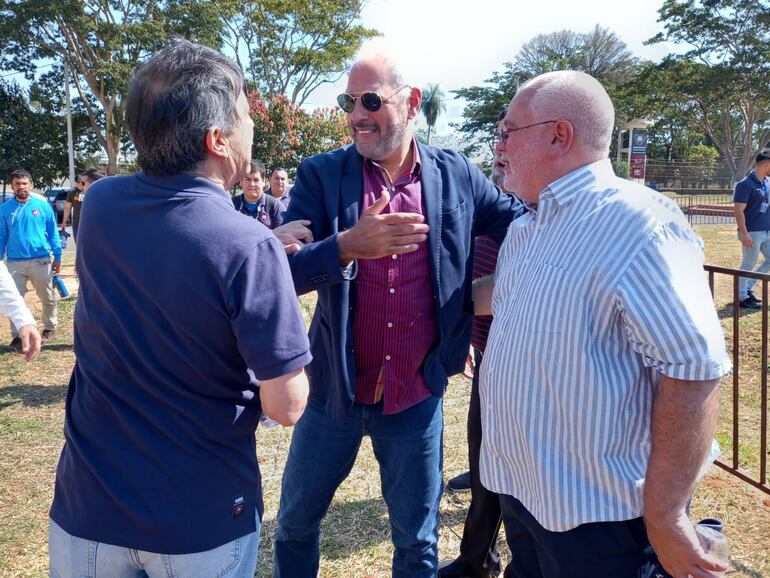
(33, 134)
(101, 41)
(721, 83)
(284, 133)
(291, 47)
(600, 53)
(433, 105)
(485, 103)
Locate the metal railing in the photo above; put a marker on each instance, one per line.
(707, 209)
(734, 463)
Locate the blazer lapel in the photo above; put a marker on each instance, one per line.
(351, 189)
(433, 198)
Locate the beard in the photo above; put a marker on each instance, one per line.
(520, 170)
(391, 136)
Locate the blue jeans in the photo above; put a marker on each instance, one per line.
(72, 557)
(761, 244)
(408, 448)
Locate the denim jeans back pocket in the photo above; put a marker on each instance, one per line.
(215, 562)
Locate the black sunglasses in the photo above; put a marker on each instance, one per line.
(371, 100)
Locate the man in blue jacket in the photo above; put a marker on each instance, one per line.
(394, 223)
(28, 238)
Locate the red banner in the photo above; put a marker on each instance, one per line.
(637, 160)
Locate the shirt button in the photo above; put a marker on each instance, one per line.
(391, 290)
(390, 324)
(395, 256)
(387, 358)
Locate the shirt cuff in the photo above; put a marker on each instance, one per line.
(21, 317)
(349, 271)
(700, 371)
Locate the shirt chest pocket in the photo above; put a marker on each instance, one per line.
(550, 300)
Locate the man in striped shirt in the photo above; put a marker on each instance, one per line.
(600, 380)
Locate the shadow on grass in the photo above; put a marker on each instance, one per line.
(347, 528)
(57, 347)
(728, 310)
(5, 351)
(32, 395)
(746, 570)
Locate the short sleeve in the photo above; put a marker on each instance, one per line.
(265, 314)
(667, 309)
(742, 192)
(70, 196)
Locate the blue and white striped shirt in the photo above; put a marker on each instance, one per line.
(597, 292)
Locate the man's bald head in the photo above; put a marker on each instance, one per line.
(378, 56)
(578, 98)
(382, 66)
(556, 123)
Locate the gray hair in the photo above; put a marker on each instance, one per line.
(174, 99)
(578, 98)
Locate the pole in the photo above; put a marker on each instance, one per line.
(70, 146)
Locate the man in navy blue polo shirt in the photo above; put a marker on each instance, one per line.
(184, 335)
(751, 201)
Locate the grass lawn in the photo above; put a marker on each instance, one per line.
(355, 540)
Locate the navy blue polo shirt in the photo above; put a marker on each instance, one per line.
(753, 192)
(184, 305)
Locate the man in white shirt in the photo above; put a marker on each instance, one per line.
(12, 305)
(600, 380)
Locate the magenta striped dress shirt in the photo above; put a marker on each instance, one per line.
(394, 323)
(484, 262)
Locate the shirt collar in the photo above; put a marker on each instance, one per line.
(565, 188)
(416, 162)
(753, 175)
(183, 182)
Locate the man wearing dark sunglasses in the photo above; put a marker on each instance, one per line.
(394, 222)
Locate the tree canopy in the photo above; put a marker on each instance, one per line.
(721, 83)
(284, 133)
(291, 47)
(433, 105)
(101, 41)
(284, 46)
(599, 52)
(33, 134)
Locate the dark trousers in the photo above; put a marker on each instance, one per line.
(478, 553)
(606, 549)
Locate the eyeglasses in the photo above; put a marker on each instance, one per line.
(505, 133)
(371, 100)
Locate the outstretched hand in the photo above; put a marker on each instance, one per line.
(30, 341)
(294, 235)
(376, 235)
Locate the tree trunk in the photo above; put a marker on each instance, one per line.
(113, 152)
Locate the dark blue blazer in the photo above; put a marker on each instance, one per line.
(459, 203)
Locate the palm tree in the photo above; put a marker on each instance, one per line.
(432, 105)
